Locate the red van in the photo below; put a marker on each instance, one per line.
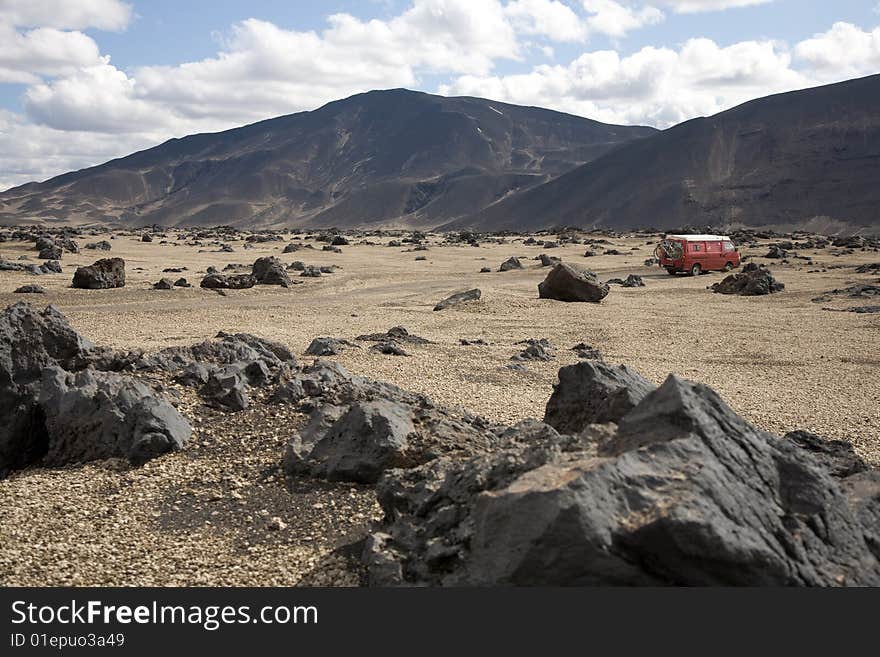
(697, 253)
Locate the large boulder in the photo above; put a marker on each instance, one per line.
(752, 281)
(103, 274)
(684, 493)
(594, 392)
(31, 340)
(681, 409)
(53, 410)
(226, 387)
(567, 283)
(96, 415)
(358, 427)
(270, 271)
(368, 439)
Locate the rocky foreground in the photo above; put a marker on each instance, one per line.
(623, 482)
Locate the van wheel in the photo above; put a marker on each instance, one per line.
(671, 272)
(696, 270)
(728, 266)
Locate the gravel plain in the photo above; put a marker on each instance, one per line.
(221, 512)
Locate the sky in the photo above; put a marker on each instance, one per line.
(84, 81)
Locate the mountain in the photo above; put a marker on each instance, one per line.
(808, 159)
(394, 157)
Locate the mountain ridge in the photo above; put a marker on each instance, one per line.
(406, 159)
(375, 157)
(803, 158)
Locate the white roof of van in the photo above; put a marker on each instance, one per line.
(698, 238)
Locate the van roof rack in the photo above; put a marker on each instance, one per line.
(698, 238)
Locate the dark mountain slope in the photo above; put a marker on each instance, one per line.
(384, 157)
(809, 157)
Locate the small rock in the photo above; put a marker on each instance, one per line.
(327, 346)
(459, 297)
(275, 523)
(632, 280)
(30, 289)
(510, 264)
(389, 349)
(540, 350)
(585, 351)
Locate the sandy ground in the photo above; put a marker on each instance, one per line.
(781, 361)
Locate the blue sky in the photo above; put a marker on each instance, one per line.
(82, 81)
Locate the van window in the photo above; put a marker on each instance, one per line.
(695, 247)
(728, 246)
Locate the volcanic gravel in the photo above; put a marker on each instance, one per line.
(221, 512)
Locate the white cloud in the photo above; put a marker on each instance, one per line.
(66, 14)
(844, 50)
(615, 19)
(441, 35)
(34, 152)
(25, 56)
(549, 18)
(263, 70)
(656, 86)
(95, 99)
(42, 38)
(696, 6)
